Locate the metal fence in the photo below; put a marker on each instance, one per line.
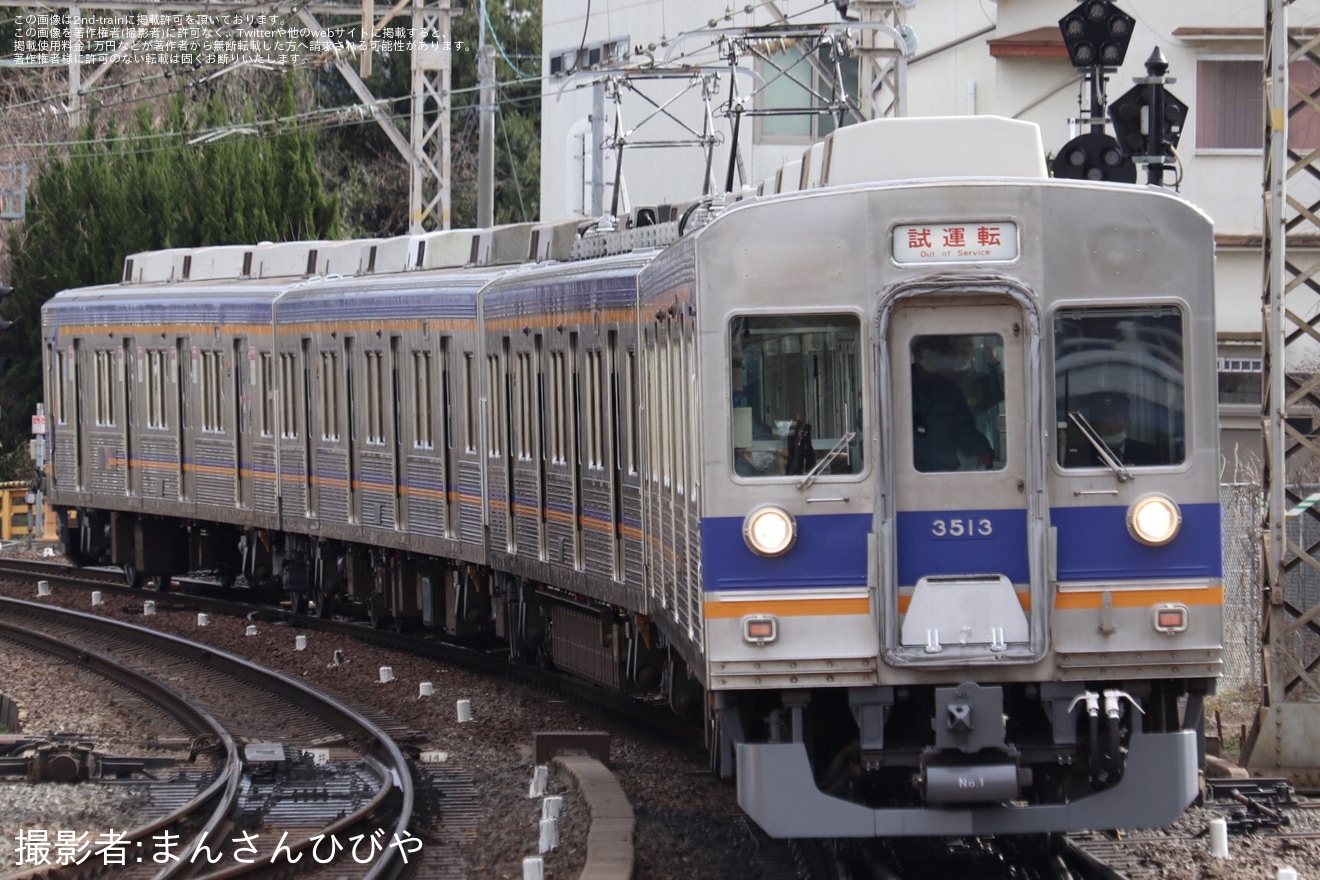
(1241, 504)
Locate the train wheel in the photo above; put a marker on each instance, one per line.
(298, 603)
(377, 611)
(132, 576)
(324, 603)
(713, 735)
(161, 583)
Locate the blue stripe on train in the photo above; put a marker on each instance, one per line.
(1094, 544)
(830, 552)
(962, 542)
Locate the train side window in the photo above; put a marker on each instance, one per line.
(469, 404)
(289, 396)
(495, 408)
(330, 394)
(629, 409)
(375, 405)
(156, 389)
(422, 402)
(105, 388)
(267, 387)
(212, 369)
(57, 389)
(1119, 386)
(796, 394)
(522, 389)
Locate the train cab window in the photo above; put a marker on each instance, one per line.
(957, 402)
(1119, 387)
(796, 395)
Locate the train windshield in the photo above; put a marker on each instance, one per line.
(1119, 387)
(796, 395)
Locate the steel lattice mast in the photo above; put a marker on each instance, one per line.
(1283, 740)
(426, 149)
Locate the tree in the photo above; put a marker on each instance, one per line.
(110, 197)
(374, 179)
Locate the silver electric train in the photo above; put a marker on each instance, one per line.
(900, 476)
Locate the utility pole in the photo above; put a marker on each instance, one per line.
(75, 67)
(486, 141)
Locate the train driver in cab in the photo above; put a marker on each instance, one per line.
(943, 425)
(1110, 414)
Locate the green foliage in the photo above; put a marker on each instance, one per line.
(373, 178)
(113, 196)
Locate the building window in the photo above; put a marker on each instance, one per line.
(1240, 380)
(1230, 105)
(799, 89)
(590, 56)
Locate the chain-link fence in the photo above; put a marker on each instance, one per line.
(1241, 503)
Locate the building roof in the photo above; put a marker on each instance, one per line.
(1041, 42)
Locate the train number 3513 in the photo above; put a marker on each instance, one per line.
(962, 527)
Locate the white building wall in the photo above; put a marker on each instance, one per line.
(953, 55)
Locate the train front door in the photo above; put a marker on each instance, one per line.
(967, 544)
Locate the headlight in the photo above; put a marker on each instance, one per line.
(1154, 520)
(769, 530)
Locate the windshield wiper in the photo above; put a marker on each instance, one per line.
(1106, 455)
(826, 459)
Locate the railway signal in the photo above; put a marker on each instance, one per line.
(1148, 119)
(1096, 35)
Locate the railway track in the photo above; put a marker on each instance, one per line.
(210, 597)
(269, 793)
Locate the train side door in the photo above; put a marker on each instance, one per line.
(132, 473)
(184, 358)
(245, 388)
(80, 424)
(966, 546)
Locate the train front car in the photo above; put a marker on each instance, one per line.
(959, 516)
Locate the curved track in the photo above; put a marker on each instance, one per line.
(238, 702)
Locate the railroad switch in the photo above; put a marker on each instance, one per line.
(67, 759)
(1252, 804)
